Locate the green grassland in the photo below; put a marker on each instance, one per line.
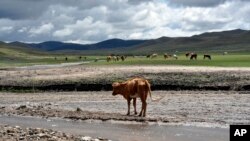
(20, 56)
(235, 60)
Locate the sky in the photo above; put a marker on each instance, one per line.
(90, 21)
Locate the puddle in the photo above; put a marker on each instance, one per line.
(122, 131)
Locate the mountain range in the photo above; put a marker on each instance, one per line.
(237, 40)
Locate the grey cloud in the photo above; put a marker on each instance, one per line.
(137, 1)
(32, 9)
(198, 3)
(201, 3)
(97, 20)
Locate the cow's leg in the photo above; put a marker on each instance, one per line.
(145, 105)
(141, 108)
(134, 103)
(128, 101)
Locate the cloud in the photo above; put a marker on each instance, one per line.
(62, 33)
(6, 29)
(198, 3)
(43, 29)
(96, 20)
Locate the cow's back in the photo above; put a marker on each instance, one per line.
(137, 85)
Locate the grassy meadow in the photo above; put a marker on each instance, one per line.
(235, 60)
(14, 56)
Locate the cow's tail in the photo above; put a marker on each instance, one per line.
(149, 91)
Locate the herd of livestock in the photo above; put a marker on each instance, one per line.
(190, 55)
(114, 58)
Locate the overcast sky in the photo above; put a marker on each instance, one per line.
(89, 21)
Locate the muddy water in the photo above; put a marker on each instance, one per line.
(125, 131)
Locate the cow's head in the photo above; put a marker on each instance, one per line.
(116, 88)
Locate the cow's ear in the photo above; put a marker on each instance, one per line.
(115, 84)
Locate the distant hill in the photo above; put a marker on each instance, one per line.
(234, 40)
(108, 44)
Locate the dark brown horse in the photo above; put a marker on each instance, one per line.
(187, 54)
(193, 56)
(123, 57)
(167, 56)
(207, 56)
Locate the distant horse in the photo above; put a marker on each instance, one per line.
(167, 55)
(114, 58)
(154, 55)
(207, 56)
(193, 56)
(175, 56)
(117, 57)
(109, 58)
(187, 54)
(123, 57)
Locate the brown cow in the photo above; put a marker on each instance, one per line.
(131, 89)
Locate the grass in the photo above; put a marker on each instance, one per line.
(13, 57)
(238, 60)
(217, 60)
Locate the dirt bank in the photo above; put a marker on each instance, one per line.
(10, 133)
(213, 108)
(95, 78)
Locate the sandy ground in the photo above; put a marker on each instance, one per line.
(17, 133)
(76, 72)
(201, 108)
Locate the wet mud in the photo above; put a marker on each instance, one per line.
(219, 108)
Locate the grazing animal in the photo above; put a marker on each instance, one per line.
(154, 55)
(225, 53)
(187, 54)
(148, 56)
(109, 58)
(165, 56)
(207, 56)
(117, 57)
(193, 56)
(175, 56)
(114, 58)
(123, 57)
(131, 89)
